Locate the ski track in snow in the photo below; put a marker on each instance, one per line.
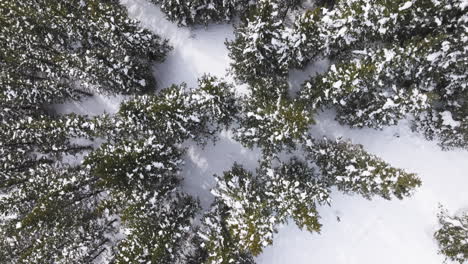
(368, 232)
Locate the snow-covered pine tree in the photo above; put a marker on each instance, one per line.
(176, 113)
(394, 59)
(356, 24)
(40, 139)
(55, 50)
(353, 170)
(260, 48)
(377, 89)
(158, 228)
(189, 12)
(452, 236)
(250, 220)
(141, 178)
(140, 164)
(444, 66)
(271, 120)
(249, 207)
(215, 103)
(215, 243)
(193, 12)
(294, 191)
(49, 216)
(304, 38)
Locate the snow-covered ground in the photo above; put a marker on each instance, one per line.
(368, 232)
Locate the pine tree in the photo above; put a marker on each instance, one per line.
(216, 244)
(250, 221)
(304, 38)
(260, 48)
(49, 216)
(294, 190)
(32, 140)
(136, 165)
(176, 113)
(249, 207)
(374, 91)
(189, 12)
(272, 124)
(142, 178)
(158, 229)
(57, 50)
(357, 24)
(392, 59)
(215, 103)
(353, 170)
(445, 64)
(452, 236)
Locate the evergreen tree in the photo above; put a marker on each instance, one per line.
(250, 221)
(393, 59)
(56, 50)
(353, 170)
(273, 125)
(376, 90)
(49, 216)
(260, 48)
(356, 24)
(192, 12)
(217, 245)
(248, 208)
(136, 165)
(452, 236)
(304, 38)
(32, 140)
(158, 229)
(176, 113)
(188, 12)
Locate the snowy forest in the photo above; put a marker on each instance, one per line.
(233, 131)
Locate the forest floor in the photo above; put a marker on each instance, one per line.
(355, 230)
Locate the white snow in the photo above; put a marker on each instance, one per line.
(447, 119)
(368, 232)
(433, 56)
(405, 6)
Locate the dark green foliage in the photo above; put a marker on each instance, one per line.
(158, 229)
(273, 125)
(175, 114)
(215, 101)
(250, 221)
(188, 12)
(49, 217)
(295, 190)
(353, 170)
(135, 165)
(392, 59)
(31, 140)
(130, 180)
(216, 244)
(357, 24)
(193, 12)
(56, 50)
(452, 236)
(377, 90)
(249, 207)
(259, 49)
